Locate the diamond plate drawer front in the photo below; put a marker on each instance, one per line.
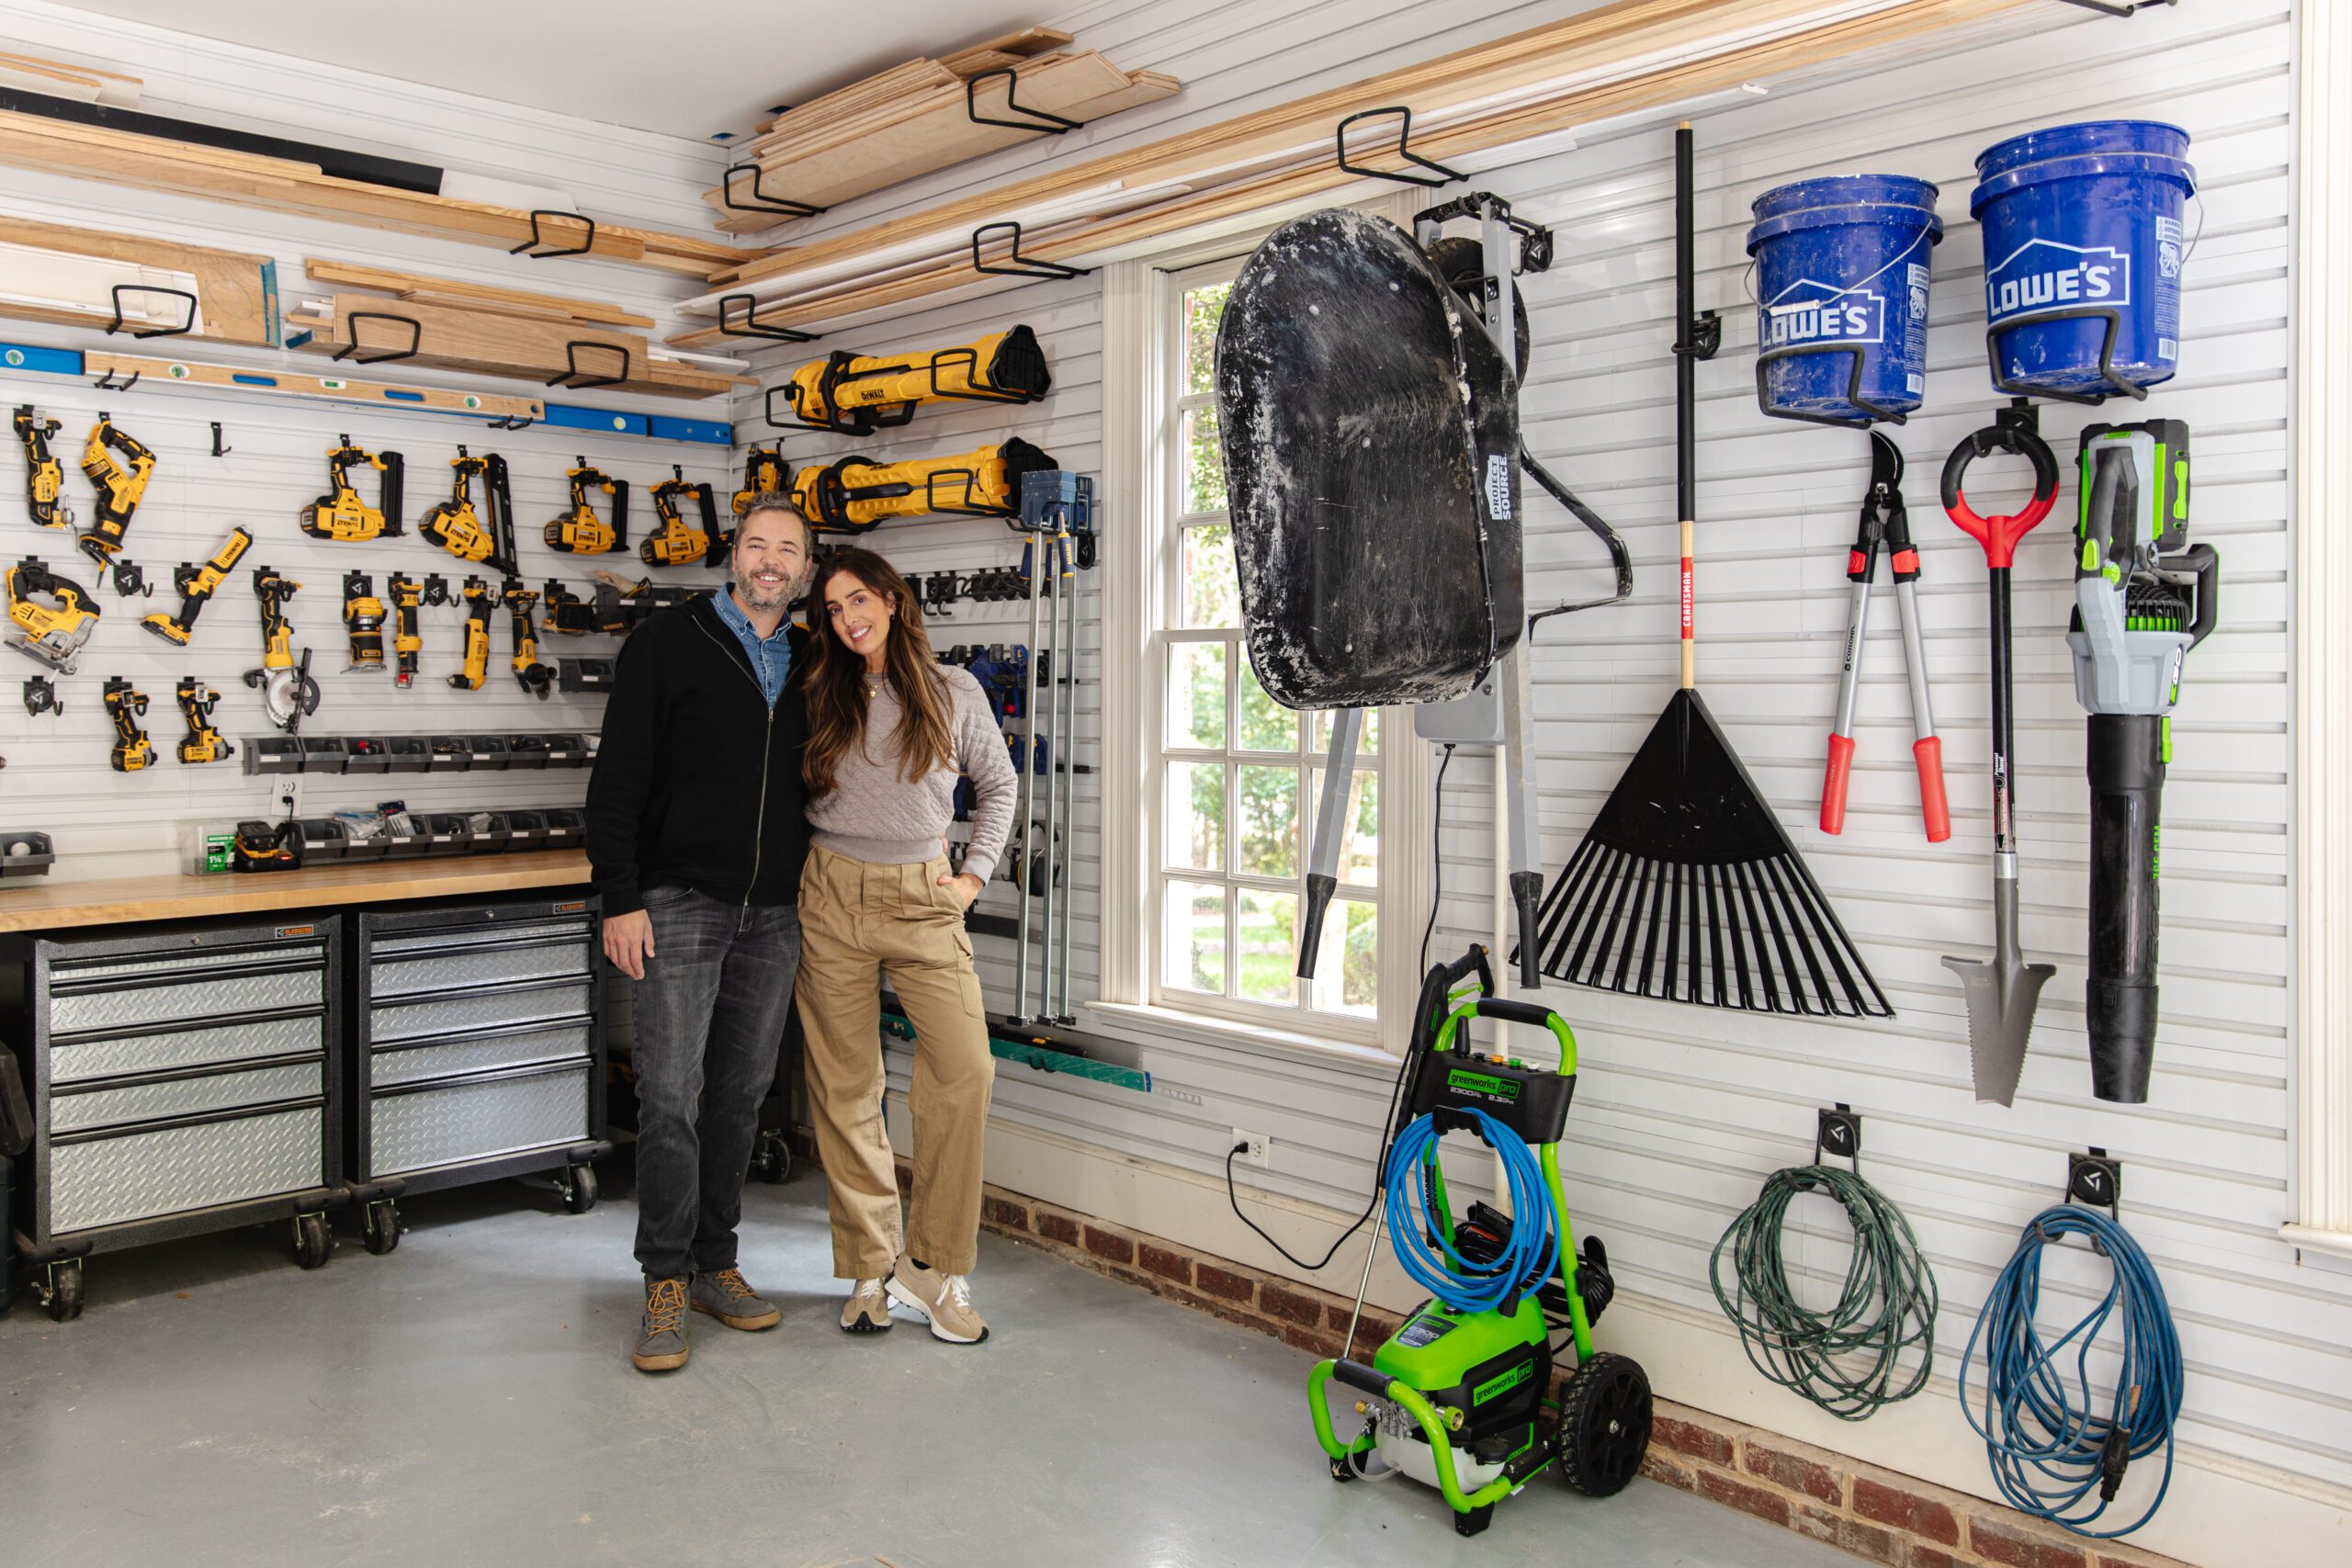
(140, 1175)
(442, 1126)
(460, 1015)
(421, 1062)
(450, 941)
(79, 1059)
(182, 1097)
(67, 970)
(195, 999)
(426, 974)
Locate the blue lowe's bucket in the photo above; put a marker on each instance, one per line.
(1841, 297)
(2083, 251)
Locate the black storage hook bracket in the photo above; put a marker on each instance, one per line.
(1039, 120)
(1023, 266)
(187, 324)
(1404, 115)
(747, 324)
(761, 202)
(351, 325)
(539, 248)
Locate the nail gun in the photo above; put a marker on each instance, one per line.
(2143, 597)
(341, 515)
(51, 617)
(287, 692)
(119, 488)
(44, 475)
(580, 531)
(197, 702)
(534, 676)
(457, 527)
(195, 586)
(132, 751)
(676, 543)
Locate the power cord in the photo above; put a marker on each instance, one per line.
(1886, 1311)
(2050, 1450)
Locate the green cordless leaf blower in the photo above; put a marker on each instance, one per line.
(2143, 597)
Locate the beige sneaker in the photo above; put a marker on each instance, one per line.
(945, 1299)
(867, 1311)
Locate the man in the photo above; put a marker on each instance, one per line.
(695, 840)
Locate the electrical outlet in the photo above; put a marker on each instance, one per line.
(1258, 1153)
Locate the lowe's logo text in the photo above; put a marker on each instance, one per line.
(2043, 275)
(1807, 311)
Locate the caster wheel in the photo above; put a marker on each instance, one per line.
(64, 1295)
(312, 1244)
(1604, 1425)
(379, 1225)
(772, 1159)
(579, 1185)
(1474, 1522)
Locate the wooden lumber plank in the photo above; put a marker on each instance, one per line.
(482, 296)
(75, 68)
(154, 370)
(482, 343)
(235, 288)
(1020, 42)
(51, 906)
(1623, 37)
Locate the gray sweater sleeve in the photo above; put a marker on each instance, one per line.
(980, 750)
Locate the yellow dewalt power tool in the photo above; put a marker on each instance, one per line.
(287, 692)
(853, 495)
(407, 593)
(363, 616)
(196, 585)
(132, 751)
(480, 600)
(44, 475)
(567, 612)
(457, 527)
(675, 543)
(763, 471)
(50, 616)
(581, 532)
(341, 515)
(532, 676)
(197, 702)
(119, 488)
(859, 394)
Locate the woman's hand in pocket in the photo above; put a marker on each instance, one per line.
(966, 886)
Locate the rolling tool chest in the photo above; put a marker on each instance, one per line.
(181, 1079)
(479, 1052)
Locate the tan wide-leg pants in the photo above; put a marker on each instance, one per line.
(859, 923)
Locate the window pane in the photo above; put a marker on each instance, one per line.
(1347, 974)
(1201, 308)
(1211, 592)
(1367, 733)
(1196, 695)
(1194, 933)
(1267, 823)
(1269, 939)
(1204, 454)
(1195, 831)
(1360, 850)
(1266, 725)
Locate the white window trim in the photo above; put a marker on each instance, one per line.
(2323, 670)
(1136, 298)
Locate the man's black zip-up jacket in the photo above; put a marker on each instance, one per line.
(696, 780)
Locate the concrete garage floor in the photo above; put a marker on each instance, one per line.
(467, 1400)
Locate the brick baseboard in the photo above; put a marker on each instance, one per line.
(1876, 1514)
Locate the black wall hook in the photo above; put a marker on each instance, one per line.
(106, 383)
(748, 324)
(1837, 1131)
(218, 449)
(1023, 266)
(188, 323)
(539, 248)
(1404, 149)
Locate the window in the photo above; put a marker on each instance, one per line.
(1232, 781)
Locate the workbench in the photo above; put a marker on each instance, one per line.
(120, 900)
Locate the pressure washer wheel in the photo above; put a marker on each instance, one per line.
(1604, 1425)
(1475, 1521)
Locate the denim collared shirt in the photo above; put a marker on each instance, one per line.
(771, 656)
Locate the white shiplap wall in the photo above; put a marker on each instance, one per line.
(57, 779)
(1683, 1111)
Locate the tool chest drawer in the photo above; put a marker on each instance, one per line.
(184, 1077)
(479, 1049)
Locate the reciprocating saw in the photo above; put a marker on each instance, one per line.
(196, 585)
(457, 527)
(2143, 597)
(859, 394)
(119, 488)
(44, 475)
(854, 495)
(340, 514)
(581, 532)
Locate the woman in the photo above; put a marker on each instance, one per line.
(890, 733)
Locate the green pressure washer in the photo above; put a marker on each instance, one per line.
(1459, 1398)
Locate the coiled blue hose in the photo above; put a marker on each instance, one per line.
(1458, 1282)
(2052, 1454)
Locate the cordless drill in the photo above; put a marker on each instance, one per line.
(197, 702)
(131, 750)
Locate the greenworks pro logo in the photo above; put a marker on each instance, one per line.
(1482, 1083)
(1503, 1383)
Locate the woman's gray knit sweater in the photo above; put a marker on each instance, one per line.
(872, 814)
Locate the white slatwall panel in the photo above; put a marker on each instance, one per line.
(58, 780)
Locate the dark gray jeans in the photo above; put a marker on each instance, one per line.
(710, 1016)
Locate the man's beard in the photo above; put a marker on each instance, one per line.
(753, 599)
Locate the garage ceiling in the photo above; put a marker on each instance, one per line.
(687, 67)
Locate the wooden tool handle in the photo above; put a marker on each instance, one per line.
(1690, 651)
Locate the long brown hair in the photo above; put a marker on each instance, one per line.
(835, 685)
